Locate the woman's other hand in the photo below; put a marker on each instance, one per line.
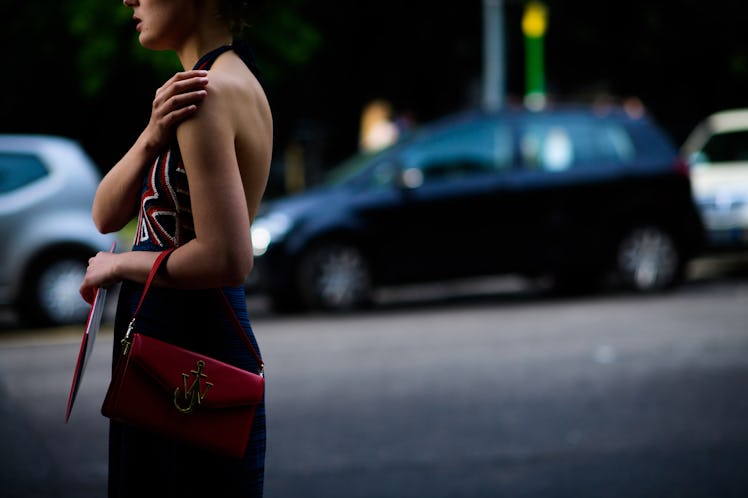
(175, 101)
(100, 273)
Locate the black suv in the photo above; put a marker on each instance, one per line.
(576, 194)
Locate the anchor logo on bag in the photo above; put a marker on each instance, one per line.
(193, 395)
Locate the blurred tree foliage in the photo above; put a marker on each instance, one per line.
(683, 59)
(75, 68)
(97, 31)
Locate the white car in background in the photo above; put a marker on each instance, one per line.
(717, 150)
(47, 186)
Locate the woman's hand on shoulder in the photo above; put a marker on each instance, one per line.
(176, 100)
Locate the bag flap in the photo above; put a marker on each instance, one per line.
(221, 385)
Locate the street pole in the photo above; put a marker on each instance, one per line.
(494, 79)
(534, 23)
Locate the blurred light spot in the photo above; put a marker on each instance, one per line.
(605, 354)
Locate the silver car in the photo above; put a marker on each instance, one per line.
(47, 186)
(717, 149)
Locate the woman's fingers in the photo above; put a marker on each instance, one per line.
(191, 87)
(181, 106)
(185, 99)
(180, 83)
(177, 100)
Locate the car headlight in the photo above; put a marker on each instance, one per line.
(268, 229)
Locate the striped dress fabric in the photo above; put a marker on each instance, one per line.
(142, 463)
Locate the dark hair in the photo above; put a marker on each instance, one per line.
(235, 12)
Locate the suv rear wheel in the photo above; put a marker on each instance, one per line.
(648, 259)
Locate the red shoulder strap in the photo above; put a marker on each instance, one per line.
(229, 309)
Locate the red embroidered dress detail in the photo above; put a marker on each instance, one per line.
(165, 216)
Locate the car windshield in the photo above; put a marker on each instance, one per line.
(347, 169)
(351, 167)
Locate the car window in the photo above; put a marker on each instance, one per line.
(469, 150)
(556, 146)
(726, 147)
(18, 170)
(615, 143)
(546, 148)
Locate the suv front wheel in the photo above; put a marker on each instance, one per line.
(648, 259)
(334, 276)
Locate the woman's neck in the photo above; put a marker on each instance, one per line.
(205, 40)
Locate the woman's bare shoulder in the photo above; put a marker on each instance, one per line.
(241, 99)
(231, 78)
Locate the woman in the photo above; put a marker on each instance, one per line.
(194, 178)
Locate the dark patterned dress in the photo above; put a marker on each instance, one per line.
(141, 463)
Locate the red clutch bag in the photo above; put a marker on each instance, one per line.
(181, 394)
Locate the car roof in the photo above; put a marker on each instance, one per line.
(719, 122)
(569, 109)
(556, 110)
(729, 119)
(21, 142)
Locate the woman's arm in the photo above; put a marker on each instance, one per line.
(117, 196)
(221, 253)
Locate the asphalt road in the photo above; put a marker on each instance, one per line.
(489, 392)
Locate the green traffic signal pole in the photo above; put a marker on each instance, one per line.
(534, 22)
(534, 71)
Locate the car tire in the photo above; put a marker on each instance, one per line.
(51, 293)
(649, 260)
(334, 276)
